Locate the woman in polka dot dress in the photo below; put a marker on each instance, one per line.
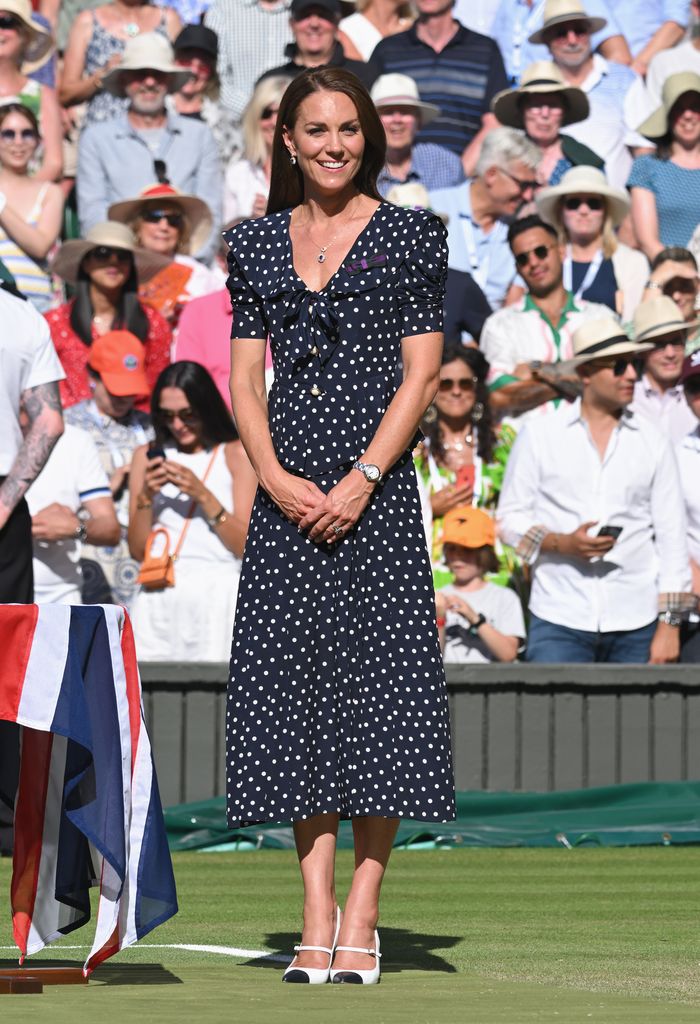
(337, 704)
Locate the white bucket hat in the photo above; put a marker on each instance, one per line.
(657, 317)
(598, 339)
(556, 12)
(582, 180)
(675, 86)
(541, 77)
(401, 91)
(198, 219)
(66, 263)
(147, 50)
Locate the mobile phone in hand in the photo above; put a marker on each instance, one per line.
(155, 453)
(465, 476)
(610, 531)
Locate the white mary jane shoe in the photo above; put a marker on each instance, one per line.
(313, 975)
(342, 976)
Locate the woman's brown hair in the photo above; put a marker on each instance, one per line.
(19, 108)
(287, 182)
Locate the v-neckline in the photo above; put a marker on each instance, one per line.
(344, 260)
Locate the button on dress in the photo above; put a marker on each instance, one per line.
(337, 698)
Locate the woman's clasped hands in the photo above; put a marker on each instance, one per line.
(326, 517)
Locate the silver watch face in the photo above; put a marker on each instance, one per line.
(372, 473)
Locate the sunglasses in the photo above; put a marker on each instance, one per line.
(573, 203)
(523, 183)
(619, 364)
(174, 219)
(540, 252)
(464, 384)
(268, 112)
(7, 22)
(579, 28)
(10, 134)
(104, 253)
(187, 416)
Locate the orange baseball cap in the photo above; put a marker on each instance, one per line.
(469, 527)
(118, 357)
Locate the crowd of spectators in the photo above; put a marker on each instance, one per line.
(559, 140)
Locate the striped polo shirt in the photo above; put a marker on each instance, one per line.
(461, 80)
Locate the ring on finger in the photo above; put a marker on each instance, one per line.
(337, 530)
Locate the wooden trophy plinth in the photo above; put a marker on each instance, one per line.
(31, 980)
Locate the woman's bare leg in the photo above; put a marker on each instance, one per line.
(374, 838)
(315, 840)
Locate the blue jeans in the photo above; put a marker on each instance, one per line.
(549, 642)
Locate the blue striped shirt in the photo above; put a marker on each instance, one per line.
(461, 80)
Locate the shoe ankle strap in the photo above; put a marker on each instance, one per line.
(358, 949)
(315, 949)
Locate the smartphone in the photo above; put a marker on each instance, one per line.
(610, 531)
(155, 453)
(465, 476)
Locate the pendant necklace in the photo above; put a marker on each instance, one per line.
(458, 446)
(321, 258)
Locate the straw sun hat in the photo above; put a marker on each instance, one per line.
(599, 339)
(396, 90)
(675, 86)
(198, 218)
(114, 236)
(658, 317)
(541, 77)
(40, 41)
(148, 50)
(557, 12)
(583, 180)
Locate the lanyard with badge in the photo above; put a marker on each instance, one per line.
(591, 273)
(522, 29)
(479, 268)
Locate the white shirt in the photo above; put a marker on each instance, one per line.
(669, 409)
(478, 15)
(242, 182)
(361, 32)
(684, 57)
(27, 359)
(688, 455)
(500, 607)
(555, 478)
(72, 475)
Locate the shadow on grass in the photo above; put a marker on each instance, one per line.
(402, 950)
(106, 974)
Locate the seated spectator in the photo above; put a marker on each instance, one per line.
(585, 210)
(683, 57)
(480, 210)
(315, 29)
(516, 24)
(665, 187)
(118, 158)
(31, 216)
(434, 52)
(541, 107)
(688, 455)
(674, 272)
(659, 394)
(24, 42)
(651, 27)
(96, 44)
(403, 113)
(371, 22)
(525, 342)
(478, 621)
(196, 49)
(105, 270)
(247, 179)
(115, 367)
(462, 459)
(614, 91)
(592, 499)
(173, 225)
(199, 487)
(70, 503)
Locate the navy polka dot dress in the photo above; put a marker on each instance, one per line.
(337, 699)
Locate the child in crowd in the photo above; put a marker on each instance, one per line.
(478, 621)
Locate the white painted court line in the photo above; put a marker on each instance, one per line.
(232, 951)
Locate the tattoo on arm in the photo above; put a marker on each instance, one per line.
(44, 396)
(40, 405)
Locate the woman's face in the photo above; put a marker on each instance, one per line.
(18, 142)
(685, 119)
(108, 268)
(268, 123)
(327, 141)
(543, 114)
(13, 36)
(401, 125)
(582, 222)
(456, 390)
(181, 419)
(200, 63)
(160, 228)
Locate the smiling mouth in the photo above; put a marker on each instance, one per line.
(332, 165)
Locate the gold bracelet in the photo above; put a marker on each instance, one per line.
(142, 503)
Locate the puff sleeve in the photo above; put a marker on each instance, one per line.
(249, 320)
(421, 284)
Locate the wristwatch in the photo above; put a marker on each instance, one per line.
(476, 626)
(220, 517)
(81, 532)
(372, 474)
(671, 618)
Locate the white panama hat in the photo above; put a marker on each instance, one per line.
(582, 180)
(396, 90)
(147, 50)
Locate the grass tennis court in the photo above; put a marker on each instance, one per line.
(477, 936)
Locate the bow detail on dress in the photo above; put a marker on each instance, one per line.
(317, 326)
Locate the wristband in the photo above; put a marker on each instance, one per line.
(654, 284)
(441, 620)
(476, 626)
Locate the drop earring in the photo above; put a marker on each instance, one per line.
(477, 412)
(292, 159)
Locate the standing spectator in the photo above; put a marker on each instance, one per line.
(105, 269)
(585, 210)
(96, 44)
(674, 272)
(525, 341)
(247, 178)
(201, 491)
(483, 622)
(688, 454)
(651, 26)
(683, 57)
(403, 114)
(25, 40)
(315, 30)
(480, 210)
(196, 49)
(593, 501)
(31, 215)
(371, 22)
(541, 107)
(70, 503)
(613, 90)
(665, 187)
(118, 158)
(434, 52)
(659, 395)
(190, 12)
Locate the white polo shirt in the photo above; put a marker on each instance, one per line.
(688, 455)
(27, 359)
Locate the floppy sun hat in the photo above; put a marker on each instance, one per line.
(675, 86)
(118, 357)
(469, 527)
(558, 12)
(39, 39)
(149, 50)
(396, 90)
(198, 218)
(541, 77)
(582, 180)
(111, 235)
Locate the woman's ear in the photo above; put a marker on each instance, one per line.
(288, 142)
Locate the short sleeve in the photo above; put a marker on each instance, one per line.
(421, 287)
(642, 173)
(248, 314)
